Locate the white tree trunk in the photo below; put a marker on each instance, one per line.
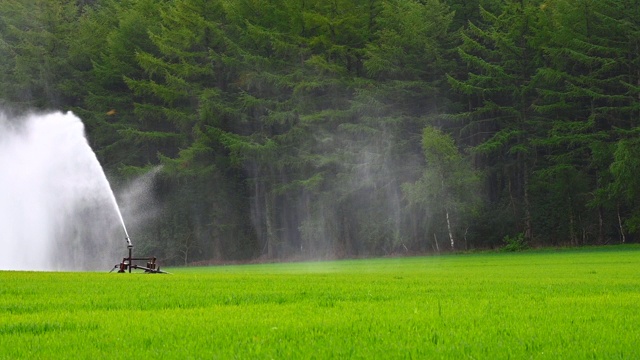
(622, 236)
(449, 229)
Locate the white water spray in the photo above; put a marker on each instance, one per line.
(57, 209)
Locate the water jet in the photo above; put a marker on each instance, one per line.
(57, 208)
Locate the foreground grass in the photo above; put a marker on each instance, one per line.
(549, 305)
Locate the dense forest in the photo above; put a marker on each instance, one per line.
(347, 128)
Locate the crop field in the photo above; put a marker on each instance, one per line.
(548, 304)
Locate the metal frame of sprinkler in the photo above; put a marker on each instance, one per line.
(127, 262)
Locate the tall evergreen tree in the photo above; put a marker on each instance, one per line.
(590, 97)
(502, 57)
(189, 91)
(116, 31)
(34, 45)
(302, 58)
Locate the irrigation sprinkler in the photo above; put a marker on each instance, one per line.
(127, 263)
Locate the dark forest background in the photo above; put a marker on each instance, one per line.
(347, 128)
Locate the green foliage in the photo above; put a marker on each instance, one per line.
(439, 149)
(35, 38)
(589, 52)
(306, 128)
(625, 168)
(448, 187)
(515, 243)
(502, 56)
(625, 185)
(468, 306)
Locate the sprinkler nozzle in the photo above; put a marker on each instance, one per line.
(128, 242)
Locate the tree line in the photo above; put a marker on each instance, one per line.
(345, 128)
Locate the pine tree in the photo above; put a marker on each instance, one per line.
(301, 60)
(188, 95)
(589, 97)
(34, 49)
(112, 35)
(502, 56)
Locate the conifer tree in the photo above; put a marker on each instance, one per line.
(112, 35)
(502, 57)
(34, 45)
(301, 60)
(589, 97)
(189, 91)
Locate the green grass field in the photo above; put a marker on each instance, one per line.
(550, 304)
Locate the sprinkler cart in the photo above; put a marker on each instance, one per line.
(127, 263)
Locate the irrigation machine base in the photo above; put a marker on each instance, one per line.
(127, 263)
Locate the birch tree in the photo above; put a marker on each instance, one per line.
(448, 187)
